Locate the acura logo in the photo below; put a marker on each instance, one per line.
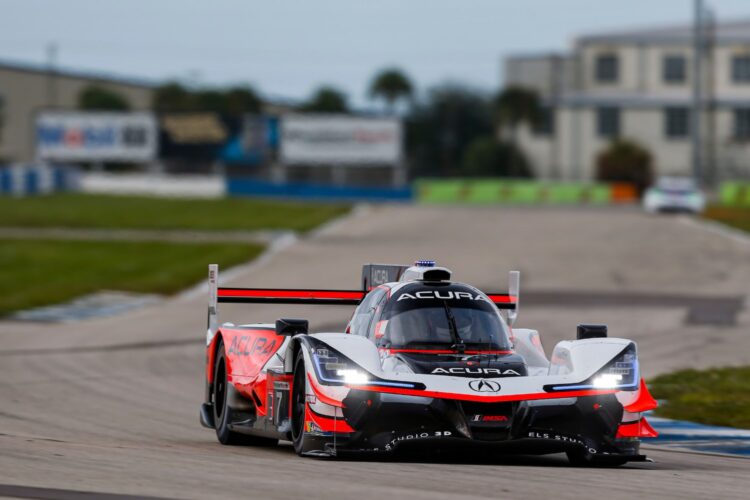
(484, 386)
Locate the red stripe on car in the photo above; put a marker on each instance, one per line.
(483, 399)
(290, 293)
(322, 397)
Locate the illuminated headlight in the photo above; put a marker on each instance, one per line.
(353, 376)
(621, 374)
(607, 381)
(335, 369)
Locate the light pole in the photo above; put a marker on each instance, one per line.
(697, 107)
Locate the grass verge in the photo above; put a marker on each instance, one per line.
(731, 216)
(138, 212)
(718, 396)
(37, 273)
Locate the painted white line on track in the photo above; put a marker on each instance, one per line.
(736, 235)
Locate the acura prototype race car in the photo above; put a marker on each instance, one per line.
(425, 362)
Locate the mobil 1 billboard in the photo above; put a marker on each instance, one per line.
(340, 139)
(96, 136)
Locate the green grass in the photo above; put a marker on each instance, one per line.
(718, 396)
(37, 273)
(736, 217)
(131, 212)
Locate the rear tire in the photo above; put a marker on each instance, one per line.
(222, 410)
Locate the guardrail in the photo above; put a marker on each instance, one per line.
(26, 180)
(488, 191)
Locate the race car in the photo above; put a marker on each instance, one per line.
(674, 194)
(424, 362)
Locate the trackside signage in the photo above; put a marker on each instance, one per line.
(340, 139)
(96, 136)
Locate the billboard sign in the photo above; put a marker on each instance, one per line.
(96, 136)
(340, 139)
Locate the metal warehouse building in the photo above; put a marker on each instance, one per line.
(26, 88)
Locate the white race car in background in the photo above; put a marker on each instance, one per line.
(674, 194)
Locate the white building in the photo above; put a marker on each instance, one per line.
(638, 85)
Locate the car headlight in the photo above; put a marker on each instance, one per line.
(334, 368)
(622, 373)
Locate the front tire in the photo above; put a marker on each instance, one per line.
(222, 410)
(299, 404)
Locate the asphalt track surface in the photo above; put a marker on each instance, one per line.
(108, 408)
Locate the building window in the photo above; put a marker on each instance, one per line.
(741, 69)
(608, 122)
(607, 68)
(674, 69)
(676, 123)
(545, 124)
(742, 124)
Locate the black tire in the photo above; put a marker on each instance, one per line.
(222, 412)
(299, 401)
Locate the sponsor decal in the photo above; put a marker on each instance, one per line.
(241, 346)
(442, 295)
(415, 436)
(312, 428)
(484, 386)
(489, 418)
(474, 371)
(560, 437)
(379, 276)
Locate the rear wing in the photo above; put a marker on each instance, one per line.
(373, 275)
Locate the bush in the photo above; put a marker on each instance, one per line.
(486, 157)
(625, 161)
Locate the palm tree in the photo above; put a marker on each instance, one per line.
(516, 105)
(391, 84)
(512, 107)
(326, 100)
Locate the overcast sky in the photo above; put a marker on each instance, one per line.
(285, 48)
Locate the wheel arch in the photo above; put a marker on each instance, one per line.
(298, 343)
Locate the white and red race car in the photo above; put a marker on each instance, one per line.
(424, 361)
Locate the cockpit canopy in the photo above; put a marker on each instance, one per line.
(425, 315)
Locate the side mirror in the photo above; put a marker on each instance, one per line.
(290, 327)
(591, 332)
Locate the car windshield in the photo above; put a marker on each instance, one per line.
(428, 323)
(676, 185)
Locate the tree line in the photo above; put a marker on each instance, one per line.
(450, 130)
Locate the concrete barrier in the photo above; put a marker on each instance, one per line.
(29, 180)
(179, 186)
(520, 192)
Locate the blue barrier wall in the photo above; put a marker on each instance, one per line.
(27, 180)
(237, 186)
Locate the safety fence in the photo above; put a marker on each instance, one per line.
(240, 186)
(24, 180)
(735, 194)
(488, 191)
